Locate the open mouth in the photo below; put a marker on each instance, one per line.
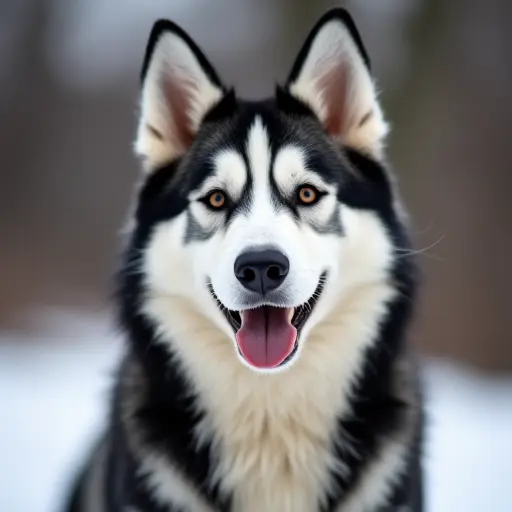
(267, 336)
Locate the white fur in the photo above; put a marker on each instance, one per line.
(271, 431)
(172, 64)
(170, 486)
(334, 66)
(378, 479)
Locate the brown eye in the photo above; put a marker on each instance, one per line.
(308, 195)
(217, 199)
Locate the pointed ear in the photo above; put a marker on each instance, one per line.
(332, 76)
(179, 87)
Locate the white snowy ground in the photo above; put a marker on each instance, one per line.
(52, 397)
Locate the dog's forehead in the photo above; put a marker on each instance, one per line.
(260, 152)
(261, 146)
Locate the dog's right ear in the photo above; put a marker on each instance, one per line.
(179, 87)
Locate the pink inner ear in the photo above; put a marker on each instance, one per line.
(334, 85)
(178, 93)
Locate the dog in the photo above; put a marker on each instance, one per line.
(265, 291)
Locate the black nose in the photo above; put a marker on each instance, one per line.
(262, 271)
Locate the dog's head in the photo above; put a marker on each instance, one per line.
(254, 219)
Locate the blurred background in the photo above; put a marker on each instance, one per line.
(68, 98)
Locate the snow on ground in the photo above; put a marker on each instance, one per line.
(53, 395)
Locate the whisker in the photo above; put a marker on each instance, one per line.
(403, 253)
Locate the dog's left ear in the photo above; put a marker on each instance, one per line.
(179, 87)
(332, 76)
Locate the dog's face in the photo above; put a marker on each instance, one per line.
(256, 218)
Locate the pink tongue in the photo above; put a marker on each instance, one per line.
(267, 336)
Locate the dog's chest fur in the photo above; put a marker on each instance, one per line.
(272, 455)
(274, 435)
(274, 443)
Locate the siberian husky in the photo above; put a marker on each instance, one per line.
(264, 297)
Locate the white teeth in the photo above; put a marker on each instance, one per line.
(291, 312)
